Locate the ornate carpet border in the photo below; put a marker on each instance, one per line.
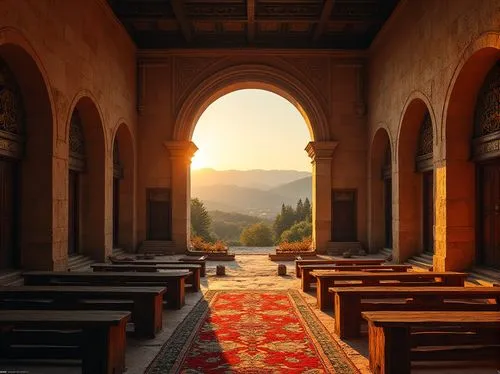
(172, 353)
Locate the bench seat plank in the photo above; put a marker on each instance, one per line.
(103, 339)
(336, 262)
(202, 263)
(349, 306)
(390, 338)
(327, 278)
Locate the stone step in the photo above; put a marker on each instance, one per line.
(338, 248)
(11, 277)
(424, 262)
(79, 262)
(157, 247)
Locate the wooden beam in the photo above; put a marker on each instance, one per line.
(180, 15)
(251, 20)
(323, 21)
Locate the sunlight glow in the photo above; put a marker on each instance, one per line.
(251, 129)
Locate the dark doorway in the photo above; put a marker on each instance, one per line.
(159, 214)
(489, 213)
(388, 212)
(73, 212)
(428, 211)
(344, 216)
(9, 252)
(116, 212)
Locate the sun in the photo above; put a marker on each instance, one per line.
(199, 162)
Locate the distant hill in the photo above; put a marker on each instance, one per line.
(260, 179)
(228, 226)
(258, 202)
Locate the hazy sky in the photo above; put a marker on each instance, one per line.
(251, 129)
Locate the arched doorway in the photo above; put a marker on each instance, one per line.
(86, 181)
(381, 192)
(26, 179)
(415, 233)
(268, 78)
(469, 225)
(123, 189)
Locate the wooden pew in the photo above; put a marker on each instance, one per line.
(146, 308)
(345, 262)
(327, 278)
(193, 279)
(349, 306)
(307, 278)
(201, 260)
(393, 345)
(172, 279)
(195, 261)
(102, 341)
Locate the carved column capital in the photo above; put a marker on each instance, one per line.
(321, 150)
(181, 150)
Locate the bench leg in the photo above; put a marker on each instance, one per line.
(297, 271)
(389, 349)
(103, 350)
(147, 316)
(175, 295)
(347, 315)
(195, 280)
(306, 280)
(324, 298)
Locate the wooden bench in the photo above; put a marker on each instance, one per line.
(344, 262)
(193, 279)
(349, 305)
(172, 279)
(102, 342)
(146, 308)
(393, 343)
(194, 261)
(327, 278)
(200, 260)
(307, 279)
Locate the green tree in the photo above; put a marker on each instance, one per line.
(300, 213)
(307, 210)
(200, 220)
(284, 220)
(297, 232)
(257, 235)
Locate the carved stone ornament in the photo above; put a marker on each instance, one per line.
(425, 145)
(11, 114)
(487, 117)
(76, 143)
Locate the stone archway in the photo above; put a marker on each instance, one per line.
(271, 79)
(27, 143)
(124, 184)
(87, 180)
(380, 183)
(456, 220)
(414, 180)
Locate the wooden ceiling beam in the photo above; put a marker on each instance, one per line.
(180, 15)
(323, 21)
(251, 20)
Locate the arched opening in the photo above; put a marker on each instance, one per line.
(123, 189)
(255, 141)
(381, 192)
(26, 136)
(415, 182)
(472, 137)
(86, 182)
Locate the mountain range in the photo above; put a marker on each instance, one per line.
(254, 192)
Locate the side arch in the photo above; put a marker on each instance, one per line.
(251, 76)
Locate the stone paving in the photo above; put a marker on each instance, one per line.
(249, 272)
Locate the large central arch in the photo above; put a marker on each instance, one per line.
(257, 76)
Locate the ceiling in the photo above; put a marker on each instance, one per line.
(321, 24)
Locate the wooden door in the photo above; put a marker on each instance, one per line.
(388, 212)
(428, 211)
(9, 253)
(73, 212)
(344, 216)
(489, 214)
(159, 214)
(116, 211)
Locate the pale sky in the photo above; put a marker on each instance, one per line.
(251, 129)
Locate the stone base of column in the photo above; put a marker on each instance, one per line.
(338, 248)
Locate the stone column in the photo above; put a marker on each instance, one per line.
(180, 153)
(321, 154)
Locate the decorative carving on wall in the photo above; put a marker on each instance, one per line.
(425, 144)
(117, 166)
(76, 143)
(487, 117)
(12, 115)
(204, 11)
(304, 10)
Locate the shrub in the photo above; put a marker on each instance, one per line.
(303, 246)
(198, 244)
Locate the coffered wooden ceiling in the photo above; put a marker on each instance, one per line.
(330, 24)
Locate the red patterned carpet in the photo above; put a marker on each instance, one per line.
(251, 332)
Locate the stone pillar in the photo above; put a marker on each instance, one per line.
(180, 153)
(321, 154)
